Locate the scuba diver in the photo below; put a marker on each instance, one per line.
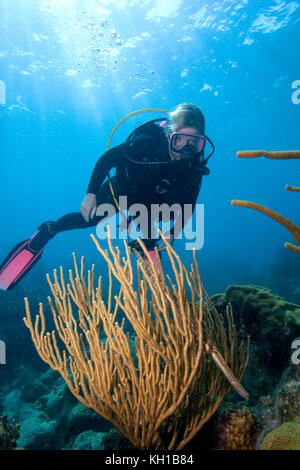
(162, 161)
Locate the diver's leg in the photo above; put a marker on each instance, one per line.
(26, 253)
(49, 229)
(71, 221)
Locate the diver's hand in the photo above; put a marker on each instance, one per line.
(170, 239)
(88, 207)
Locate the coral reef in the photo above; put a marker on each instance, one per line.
(114, 440)
(237, 429)
(187, 360)
(285, 437)
(89, 440)
(281, 406)
(272, 323)
(288, 401)
(238, 426)
(50, 417)
(9, 433)
(244, 297)
(287, 223)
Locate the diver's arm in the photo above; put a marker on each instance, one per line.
(109, 160)
(105, 163)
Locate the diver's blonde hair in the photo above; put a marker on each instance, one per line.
(186, 114)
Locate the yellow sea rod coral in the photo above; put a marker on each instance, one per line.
(288, 187)
(286, 437)
(287, 223)
(160, 393)
(279, 155)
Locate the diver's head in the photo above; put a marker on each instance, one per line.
(185, 130)
(186, 115)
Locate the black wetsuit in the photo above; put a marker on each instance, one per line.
(169, 182)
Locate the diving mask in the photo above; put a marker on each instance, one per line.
(186, 144)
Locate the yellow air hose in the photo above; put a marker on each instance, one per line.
(146, 110)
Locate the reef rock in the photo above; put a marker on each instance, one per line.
(286, 437)
(236, 429)
(9, 433)
(272, 324)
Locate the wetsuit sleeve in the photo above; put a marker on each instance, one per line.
(110, 159)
